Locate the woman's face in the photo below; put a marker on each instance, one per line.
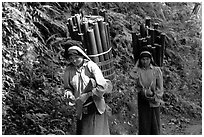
(145, 61)
(76, 60)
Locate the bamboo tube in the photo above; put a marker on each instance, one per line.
(92, 49)
(108, 33)
(156, 25)
(158, 54)
(98, 41)
(70, 27)
(103, 38)
(75, 33)
(81, 37)
(107, 39)
(74, 20)
(103, 14)
(84, 31)
(144, 42)
(154, 54)
(157, 34)
(78, 22)
(140, 42)
(151, 33)
(148, 38)
(147, 22)
(142, 30)
(162, 47)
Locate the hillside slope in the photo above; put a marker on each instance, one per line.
(33, 35)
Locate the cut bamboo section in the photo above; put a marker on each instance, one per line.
(156, 25)
(78, 22)
(92, 50)
(150, 39)
(84, 31)
(102, 13)
(162, 47)
(151, 33)
(93, 31)
(143, 31)
(107, 38)
(70, 27)
(147, 22)
(158, 54)
(98, 41)
(103, 38)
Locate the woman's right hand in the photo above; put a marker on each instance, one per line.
(68, 94)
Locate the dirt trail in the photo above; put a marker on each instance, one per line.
(193, 127)
(194, 130)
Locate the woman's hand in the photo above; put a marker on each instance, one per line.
(149, 93)
(69, 95)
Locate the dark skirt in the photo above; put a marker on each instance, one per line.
(149, 117)
(92, 122)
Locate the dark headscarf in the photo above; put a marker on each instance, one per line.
(146, 54)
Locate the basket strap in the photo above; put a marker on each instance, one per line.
(96, 55)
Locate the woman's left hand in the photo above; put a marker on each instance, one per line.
(149, 93)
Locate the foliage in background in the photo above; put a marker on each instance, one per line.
(33, 35)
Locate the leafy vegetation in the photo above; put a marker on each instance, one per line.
(33, 37)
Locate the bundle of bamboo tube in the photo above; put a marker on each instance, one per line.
(93, 31)
(151, 39)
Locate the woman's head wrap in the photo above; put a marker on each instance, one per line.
(145, 54)
(72, 52)
(75, 50)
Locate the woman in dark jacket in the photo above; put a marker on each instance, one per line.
(149, 81)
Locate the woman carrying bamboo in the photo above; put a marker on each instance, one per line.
(85, 85)
(149, 83)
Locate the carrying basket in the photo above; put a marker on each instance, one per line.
(107, 66)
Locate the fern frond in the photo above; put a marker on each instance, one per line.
(43, 29)
(52, 10)
(51, 38)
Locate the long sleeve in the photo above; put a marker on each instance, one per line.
(159, 83)
(156, 100)
(101, 84)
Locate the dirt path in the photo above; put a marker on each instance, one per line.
(194, 130)
(172, 126)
